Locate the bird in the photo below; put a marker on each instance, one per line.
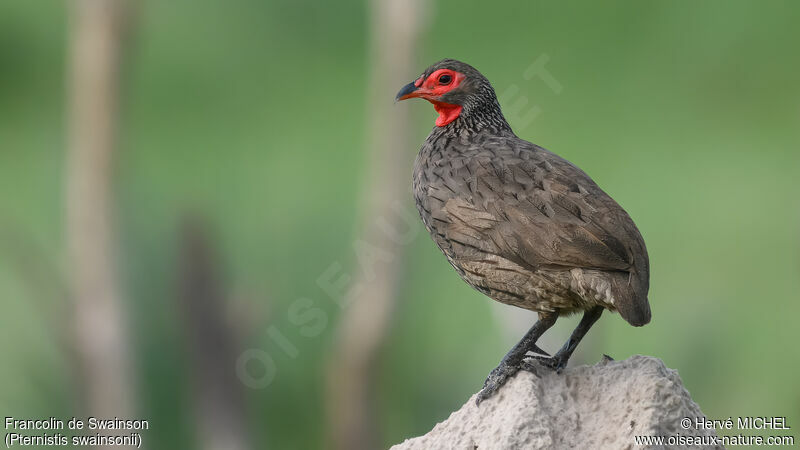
(519, 223)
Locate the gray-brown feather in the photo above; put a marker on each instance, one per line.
(526, 227)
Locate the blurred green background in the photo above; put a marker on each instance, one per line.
(251, 113)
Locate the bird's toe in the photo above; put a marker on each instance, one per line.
(554, 362)
(496, 379)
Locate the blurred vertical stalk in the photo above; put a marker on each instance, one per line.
(99, 327)
(395, 26)
(211, 340)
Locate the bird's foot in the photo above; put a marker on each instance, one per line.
(498, 377)
(556, 362)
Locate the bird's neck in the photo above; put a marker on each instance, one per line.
(474, 119)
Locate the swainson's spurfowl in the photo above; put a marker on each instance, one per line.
(518, 223)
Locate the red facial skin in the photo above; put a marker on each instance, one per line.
(431, 89)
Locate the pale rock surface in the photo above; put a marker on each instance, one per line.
(586, 407)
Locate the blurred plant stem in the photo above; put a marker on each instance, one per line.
(211, 341)
(99, 326)
(395, 26)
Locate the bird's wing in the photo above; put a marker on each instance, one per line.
(534, 208)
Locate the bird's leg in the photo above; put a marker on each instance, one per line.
(559, 360)
(513, 361)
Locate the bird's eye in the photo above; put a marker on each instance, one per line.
(445, 79)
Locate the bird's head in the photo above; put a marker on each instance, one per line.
(455, 89)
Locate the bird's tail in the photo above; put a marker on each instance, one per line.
(631, 299)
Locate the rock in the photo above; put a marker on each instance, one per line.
(588, 407)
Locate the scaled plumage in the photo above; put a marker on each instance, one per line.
(517, 222)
